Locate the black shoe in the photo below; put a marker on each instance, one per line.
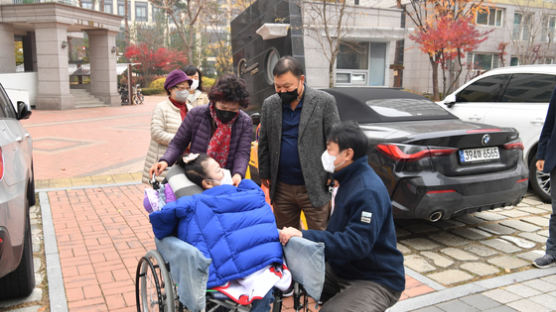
(545, 261)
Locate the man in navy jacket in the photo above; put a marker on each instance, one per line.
(364, 269)
(546, 161)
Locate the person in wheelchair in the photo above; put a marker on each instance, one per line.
(232, 226)
(364, 268)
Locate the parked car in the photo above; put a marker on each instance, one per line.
(17, 194)
(434, 165)
(516, 97)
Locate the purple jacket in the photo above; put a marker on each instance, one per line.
(196, 129)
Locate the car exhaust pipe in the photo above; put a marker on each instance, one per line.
(435, 216)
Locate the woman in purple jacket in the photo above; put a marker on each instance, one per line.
(219, 129)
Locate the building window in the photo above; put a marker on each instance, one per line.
(522, 23)
(108, 7)
(514, 61)
(121, 9)
(87, 4)
(356, 2)
(140, 11)
(548, 28)
(490, 17)
(353, 56)
(483, 61)
(549, 60)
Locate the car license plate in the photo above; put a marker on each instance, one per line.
(478, 154)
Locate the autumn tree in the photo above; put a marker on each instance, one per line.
(445, 31)
(152, 62)
(185, 16)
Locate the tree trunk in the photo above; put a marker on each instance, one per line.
(332, 80)
(434, 66)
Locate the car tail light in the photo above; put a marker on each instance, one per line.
(514, 145)
(441, 191)
(1, 164)
(483, 130)
(412, 153)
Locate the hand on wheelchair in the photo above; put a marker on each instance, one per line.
(288, 232)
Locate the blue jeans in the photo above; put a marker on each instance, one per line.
(551, 241)
(263, 305)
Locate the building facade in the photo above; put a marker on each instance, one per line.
(269, 29)
(43, 29)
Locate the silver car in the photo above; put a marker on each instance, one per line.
(17, 194)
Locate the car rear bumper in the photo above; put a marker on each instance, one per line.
(432, 196)
(9, 255)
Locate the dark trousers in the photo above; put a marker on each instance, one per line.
(551, 241)
(288, 203)
(355, 295)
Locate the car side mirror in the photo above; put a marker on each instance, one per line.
(23, 111)
(450, 100)
(256, 118)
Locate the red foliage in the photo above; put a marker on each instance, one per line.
(447, 38)
(152, 62)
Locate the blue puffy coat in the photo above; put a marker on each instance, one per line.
(232, 226)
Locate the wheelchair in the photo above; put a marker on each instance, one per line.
(156, 291)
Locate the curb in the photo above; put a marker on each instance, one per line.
(56, 291)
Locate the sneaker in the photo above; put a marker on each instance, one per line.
(545, 261)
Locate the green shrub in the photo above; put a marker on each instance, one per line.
(153, 91)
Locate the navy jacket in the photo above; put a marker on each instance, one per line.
(232, 226)
(547, 142)
(360, 240)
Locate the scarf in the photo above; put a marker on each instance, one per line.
(181, 106)
(219, 145)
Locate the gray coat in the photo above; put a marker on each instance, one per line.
(318, 114)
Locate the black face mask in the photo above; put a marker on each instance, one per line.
(288, 97)
(225, 116)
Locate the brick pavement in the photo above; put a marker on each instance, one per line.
(101, 234)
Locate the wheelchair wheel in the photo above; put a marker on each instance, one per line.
(154, 289)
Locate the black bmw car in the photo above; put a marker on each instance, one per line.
(434, 165)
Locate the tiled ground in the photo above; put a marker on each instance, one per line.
(90, 141)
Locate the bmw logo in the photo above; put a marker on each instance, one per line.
(485, 139)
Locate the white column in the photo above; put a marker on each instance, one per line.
(103, 66)
(52, 67)
(7, 53)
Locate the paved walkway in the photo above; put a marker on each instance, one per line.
(88, 164)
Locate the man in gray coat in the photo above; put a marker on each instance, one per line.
(294, 124)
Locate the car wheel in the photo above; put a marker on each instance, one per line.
(540, 181)
(20, 283)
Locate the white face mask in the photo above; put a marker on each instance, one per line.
(181, 95)
(226, 179)
(194, 84)
(328, 162)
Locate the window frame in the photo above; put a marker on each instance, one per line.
(111, 5)
(524, 24)
(142, 5)
(494, 56)
(528, 78)
(488, 15)
(497, 97)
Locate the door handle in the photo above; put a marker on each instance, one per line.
(19, 139)
(475, 117)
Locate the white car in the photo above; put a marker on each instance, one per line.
(515, 96)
